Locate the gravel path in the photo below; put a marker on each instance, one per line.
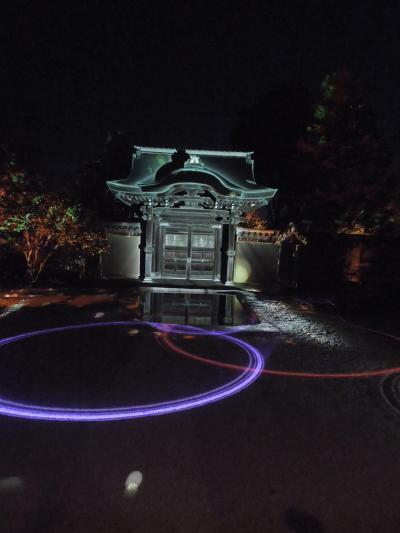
(325, 340)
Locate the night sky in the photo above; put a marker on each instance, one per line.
(176, 73)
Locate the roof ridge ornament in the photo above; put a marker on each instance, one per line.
(178, 160)
(194, 159)
(180, 156)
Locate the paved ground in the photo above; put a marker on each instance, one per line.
(287, 454)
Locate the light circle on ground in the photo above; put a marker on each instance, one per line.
(282, 373)
(243, 380)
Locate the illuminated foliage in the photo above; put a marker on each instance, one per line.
(328, 86)
(252, 220)
(320, 112)
(37, 223)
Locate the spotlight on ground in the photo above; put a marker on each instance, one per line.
(11, 484)
(132, 483)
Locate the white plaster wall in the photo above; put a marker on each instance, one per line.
(122, 259)
(256, 262)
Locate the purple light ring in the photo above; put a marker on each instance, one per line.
(248, 376)
(218, 390)
(221, 388)
(135, 412)
(91, 415)
(74, 327)
(170, 328)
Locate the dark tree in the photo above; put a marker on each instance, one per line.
(90, 185)
(343, 166)
(117, 158)
(17, 156)
(271, 128)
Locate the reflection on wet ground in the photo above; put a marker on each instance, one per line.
(194, 307)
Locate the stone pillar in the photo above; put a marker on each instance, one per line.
(149, 246)
(230, 254)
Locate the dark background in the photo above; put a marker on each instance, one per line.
(177, 73)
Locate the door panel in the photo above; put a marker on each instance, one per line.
(202, 265)
(175, 253)
(176, 240)
(203, 240)
(190, 253)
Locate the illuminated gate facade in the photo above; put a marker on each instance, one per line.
(187, 244)
(188, 204)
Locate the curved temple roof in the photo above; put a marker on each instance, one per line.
(158, 173)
